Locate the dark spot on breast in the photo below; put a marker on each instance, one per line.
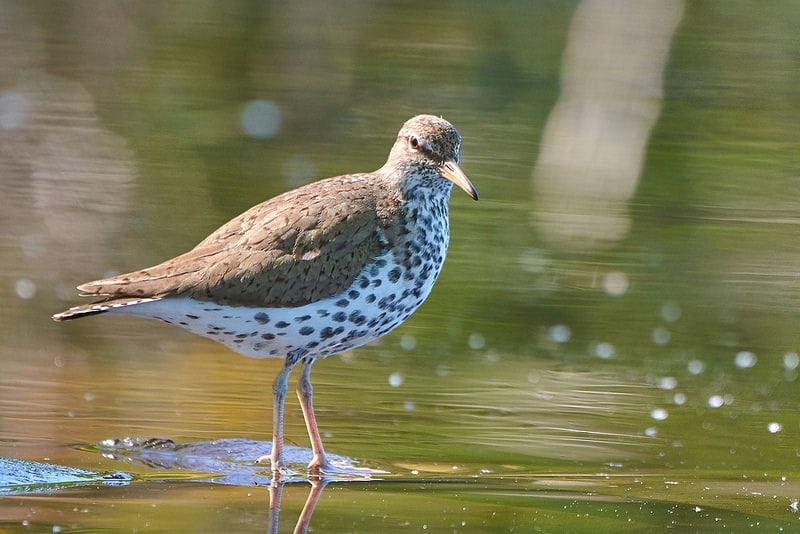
(339, 317)
(281, 324)
(353, 294)
(377, 282)
(323, 313)
(268, 337)
(302, 318)
(394, 275)
(241, 336)
(342, 303)
(357, 318)
(370, 298)
(326, 333)
(363, 282)
(190, 316)
(261, 318)
(306, 331)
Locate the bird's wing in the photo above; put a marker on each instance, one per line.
(294, 249)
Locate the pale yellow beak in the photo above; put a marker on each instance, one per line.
(453, 172)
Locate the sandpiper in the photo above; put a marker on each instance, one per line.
(313, 272)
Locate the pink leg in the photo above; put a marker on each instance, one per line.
(319, 466)
(305, 393)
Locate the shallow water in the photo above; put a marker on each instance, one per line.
(613, 341)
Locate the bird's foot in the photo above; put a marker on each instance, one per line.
(321, 468)
(279, 470)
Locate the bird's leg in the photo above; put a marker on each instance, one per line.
(305, 393)
(319, 465)
(279, 389)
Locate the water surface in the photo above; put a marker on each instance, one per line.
(612, 343)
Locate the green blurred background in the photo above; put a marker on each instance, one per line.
(613, 340)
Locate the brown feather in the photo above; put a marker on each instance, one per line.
(294, 249)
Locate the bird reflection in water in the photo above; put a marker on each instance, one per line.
(275, 494)
(230, 462)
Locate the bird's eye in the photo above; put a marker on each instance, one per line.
(413, 143)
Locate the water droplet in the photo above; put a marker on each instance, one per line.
(659, 414)
(661, 336)
(715, 401)
(604, 350)
(559, 333)
(25, 288)
(791, 360)
(744, 359)
(476, 341)
(670, 312)
(668, 383)
(696, 367)
(395, 380)
(615, 283)
(260, 119)
(408, 342)
(774, 428)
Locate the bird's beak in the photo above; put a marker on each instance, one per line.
(453, 172)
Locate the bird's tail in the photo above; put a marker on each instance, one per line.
(100, 307)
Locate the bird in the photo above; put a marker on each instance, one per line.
(310, 273)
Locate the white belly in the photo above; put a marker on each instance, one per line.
(379, 300)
